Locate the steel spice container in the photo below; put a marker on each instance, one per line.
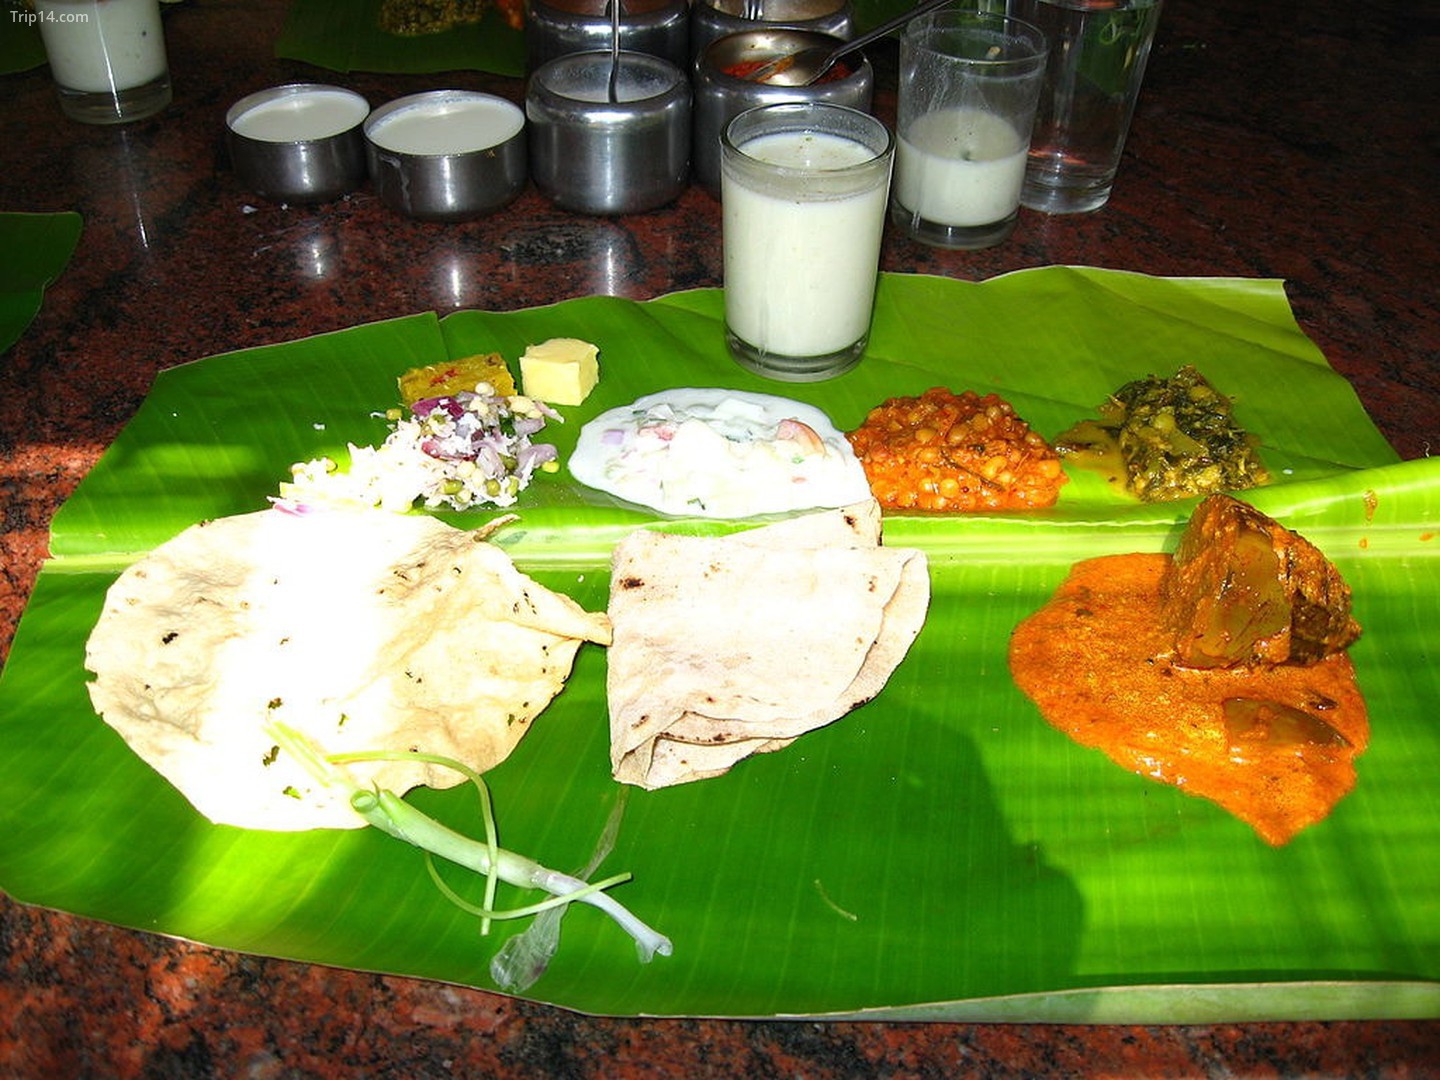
(720, 95)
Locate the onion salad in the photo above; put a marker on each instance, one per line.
(457, 451)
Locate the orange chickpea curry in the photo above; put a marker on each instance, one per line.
(955, 452)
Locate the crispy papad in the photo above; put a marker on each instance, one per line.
(364, 630)
(730, 646)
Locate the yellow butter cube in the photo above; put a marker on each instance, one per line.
(561, 371)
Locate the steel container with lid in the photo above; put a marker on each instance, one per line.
(721, 94)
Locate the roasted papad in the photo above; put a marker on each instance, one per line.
(365, 630)
(730, 646)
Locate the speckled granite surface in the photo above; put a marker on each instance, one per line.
(1286, 141)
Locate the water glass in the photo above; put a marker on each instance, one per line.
(1098, 52)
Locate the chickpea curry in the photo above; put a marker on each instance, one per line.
(955, 452)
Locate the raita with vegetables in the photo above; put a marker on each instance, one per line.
(717, 453)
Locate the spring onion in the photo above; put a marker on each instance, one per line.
(391, 814)
(524, 957)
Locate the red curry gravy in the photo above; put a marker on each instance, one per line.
(1100, 666)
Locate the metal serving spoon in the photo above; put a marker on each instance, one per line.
(613, 87)
(804, 67)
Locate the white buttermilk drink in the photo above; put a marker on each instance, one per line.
(312, 114)
(102, 46)
(960, 167)
(800, 272)
(457, 125)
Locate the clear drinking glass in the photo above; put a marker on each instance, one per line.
(1098, 51)
(803, 187)
(107, 58)
(968, 87)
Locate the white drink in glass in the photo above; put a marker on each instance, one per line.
(107, 57)
(959, 166)
(969, 82)
(800, 267)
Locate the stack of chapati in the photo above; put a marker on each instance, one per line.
(729, 646)
(363, 630)
(370, 631)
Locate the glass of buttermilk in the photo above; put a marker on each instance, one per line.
(969, 84)
(803, 189)
(107, 58)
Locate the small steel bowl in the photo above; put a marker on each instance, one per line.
(446, 155)
(558, 27)
(711, 19)
(596, 156)
(720, 96)
(298, 143)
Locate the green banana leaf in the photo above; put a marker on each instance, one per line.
(345, 35)
(20, 46)
(939, 853)
(37, 248)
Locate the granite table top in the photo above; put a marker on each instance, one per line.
(1279, 141)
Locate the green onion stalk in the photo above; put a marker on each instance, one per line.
(391, 814)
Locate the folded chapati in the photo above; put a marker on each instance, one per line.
(364, 630)
(730, 646)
